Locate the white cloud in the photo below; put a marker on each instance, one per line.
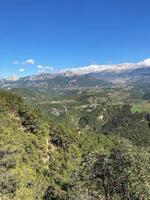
(48, 68)
(108, 67)
(15, 62)
(21, 70)
(39, 66)
(29, 61)
(145, 62)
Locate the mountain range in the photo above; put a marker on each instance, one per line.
(134, 75)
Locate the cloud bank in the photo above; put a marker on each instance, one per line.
(108, 67)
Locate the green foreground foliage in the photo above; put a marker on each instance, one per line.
(43, 160)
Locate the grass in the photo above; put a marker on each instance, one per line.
(141, 107)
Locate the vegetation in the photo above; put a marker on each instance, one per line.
(141, 107)
(92, 150)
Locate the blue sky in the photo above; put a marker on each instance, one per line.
(57, 34)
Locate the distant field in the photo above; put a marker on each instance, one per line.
(141, 107)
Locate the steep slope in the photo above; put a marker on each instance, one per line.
(23, 135)
(35, 153)
(40, 159)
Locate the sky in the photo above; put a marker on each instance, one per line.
(50, 35)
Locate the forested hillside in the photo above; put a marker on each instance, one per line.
(104, 157)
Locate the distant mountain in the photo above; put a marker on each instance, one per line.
(112, 68)
(126, 73)
(38, 77)
(68, 80)
(68, 73)
(132, 76)
(57, 81)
